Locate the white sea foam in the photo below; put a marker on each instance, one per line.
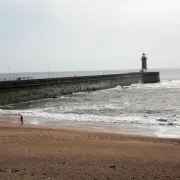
(42, 116)
(163, 84)
(168, 132)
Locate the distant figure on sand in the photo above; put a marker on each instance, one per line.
(21, 119)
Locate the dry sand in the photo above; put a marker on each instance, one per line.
(34, 153)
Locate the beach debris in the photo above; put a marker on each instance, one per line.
(113, 166)
(14, 170)
(1, 170)
(10, 170)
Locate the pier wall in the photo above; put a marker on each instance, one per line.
(33, 89)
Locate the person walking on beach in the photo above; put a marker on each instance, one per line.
(21, 119)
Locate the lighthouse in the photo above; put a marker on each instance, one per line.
(144, 63)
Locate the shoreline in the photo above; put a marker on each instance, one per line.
(81, 130)
(102, 128)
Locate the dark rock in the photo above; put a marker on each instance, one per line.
(170, 124)
(113, 166)
(161, 120)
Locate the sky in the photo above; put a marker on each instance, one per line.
(83, 35)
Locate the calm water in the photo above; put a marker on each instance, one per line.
(152, 109)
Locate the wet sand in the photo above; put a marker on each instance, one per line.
(41, 153)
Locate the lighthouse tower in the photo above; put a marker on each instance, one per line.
(144, 63)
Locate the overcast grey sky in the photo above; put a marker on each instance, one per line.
(75, 35)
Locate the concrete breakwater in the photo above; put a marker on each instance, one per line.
(34, 89)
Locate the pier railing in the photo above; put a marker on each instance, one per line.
(14, 78)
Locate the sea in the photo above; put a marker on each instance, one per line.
(139, 109)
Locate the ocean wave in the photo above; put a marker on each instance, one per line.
(42, 117)
(170, 84)
(167, 84)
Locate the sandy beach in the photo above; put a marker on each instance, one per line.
(39, 153)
